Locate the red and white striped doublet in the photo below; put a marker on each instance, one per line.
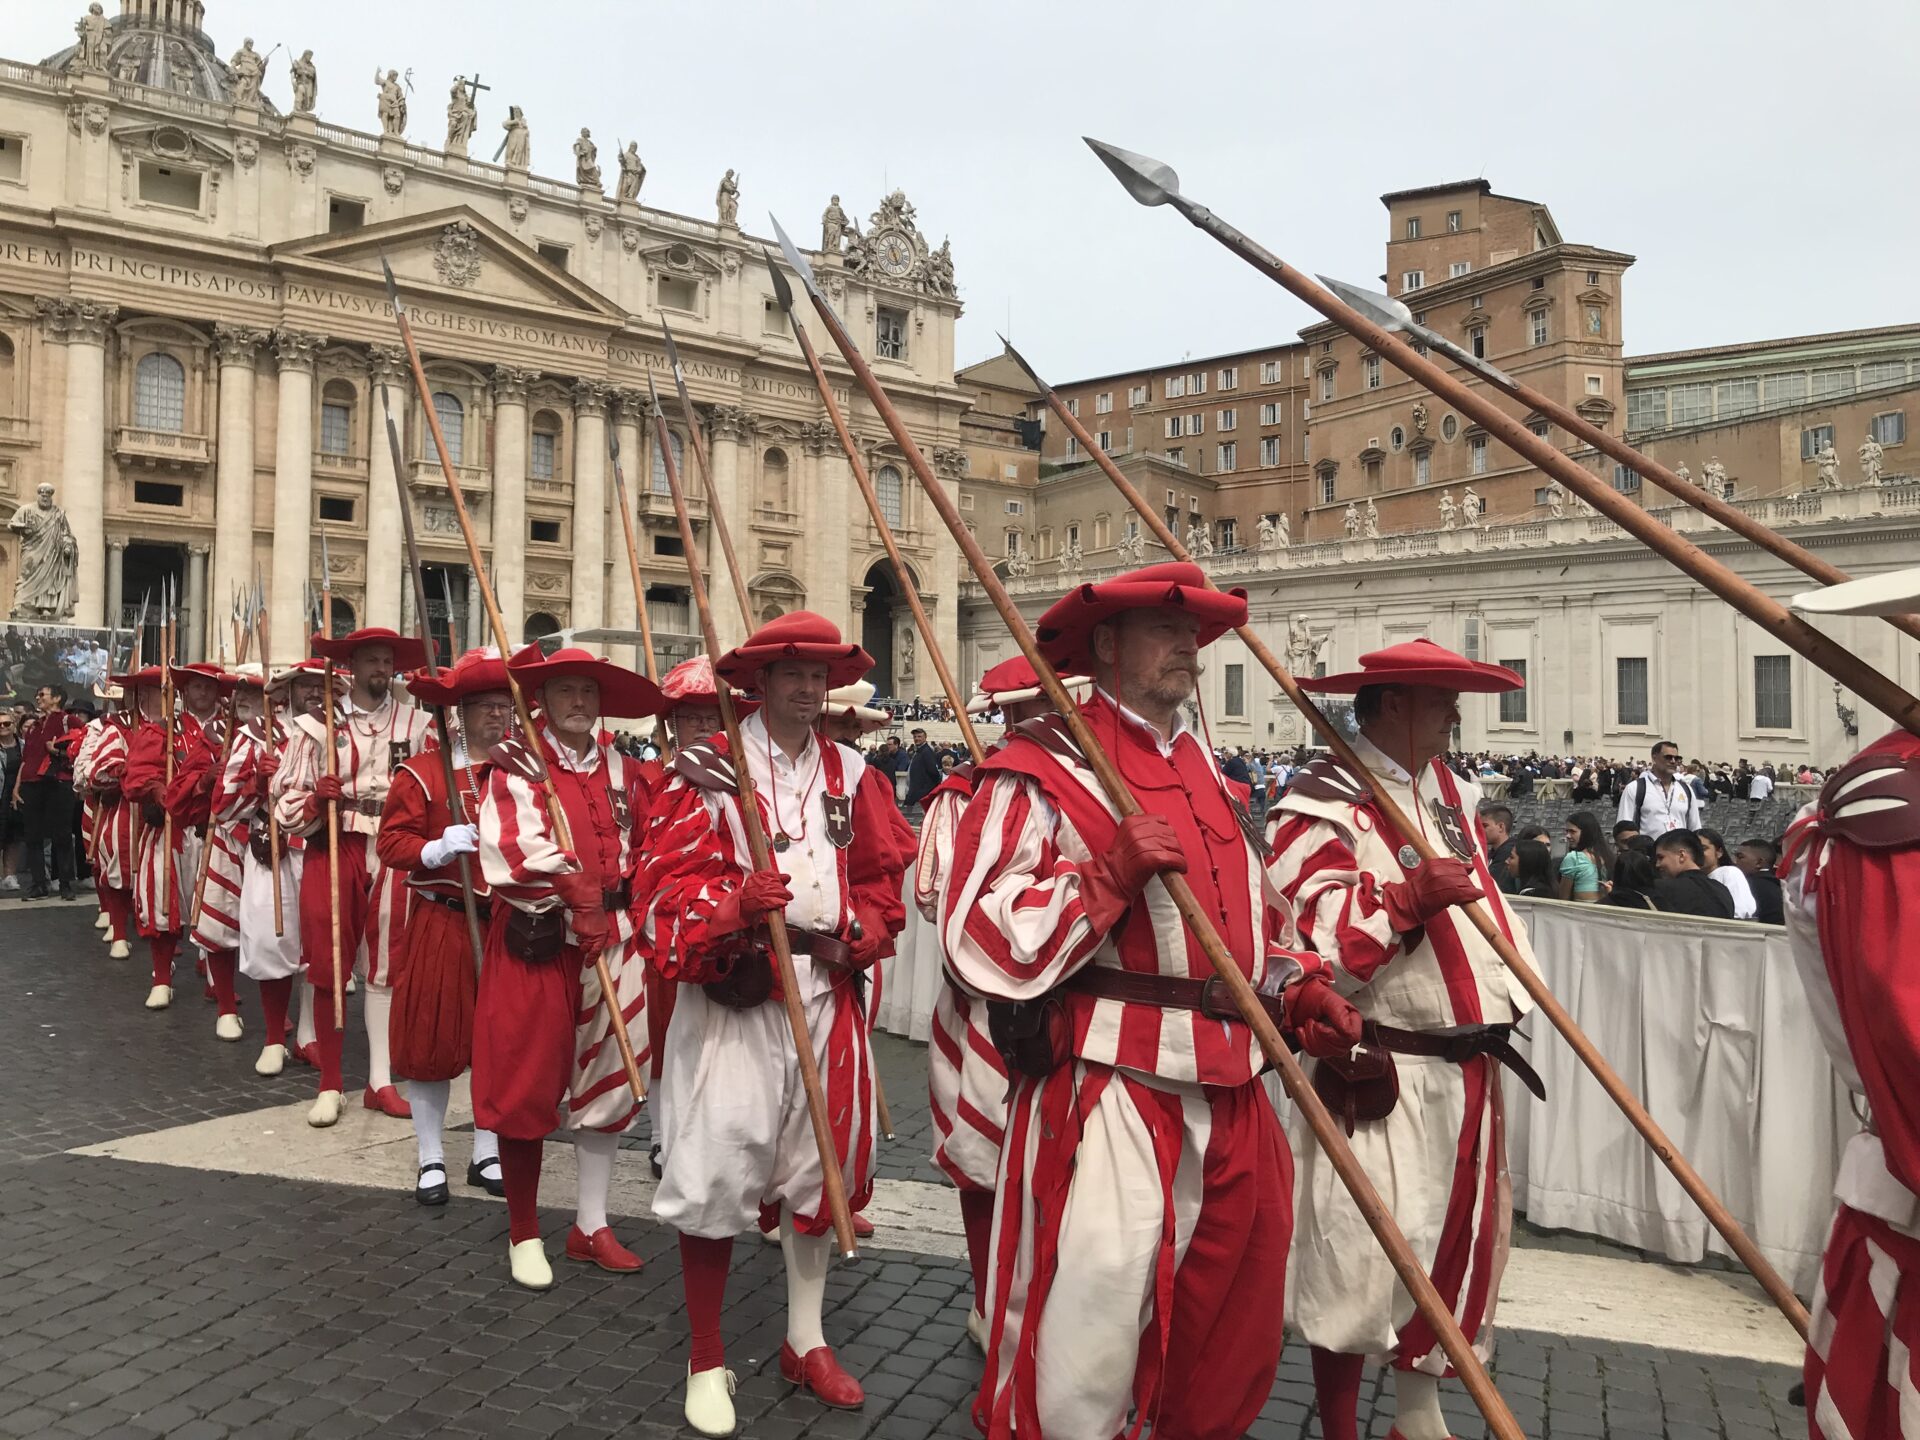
(1141, 1223)
(162, 893)
(90, 742)
(966, 1078)
(116, 820)
(1439, 1159)
(264, 955)
(1849, 876)
(226, 842)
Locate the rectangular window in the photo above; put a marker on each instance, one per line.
(1196, 423)
(1830, 383)
(1736, 397)
(1773, 692)
(1103, 403)
(1422, 468)
(1129, 439)
(544, 532)
(1270, 414)
(541, 455)
(1477, 341)
(1595, 385)
(1139, 395)
(1177, 457)
(676, 293)
(1459, 268)
(1013, 543)
(1453, 222)
(1542, 495)
(1227, 420)
(1814, 439)
(336, 507)
(554, 255)
(1883, 372)
(344, 215)
(1234, 701)
(336, 429)
(1197, 383)
(1413, 279)
(1016, 507)
(1477, 453)
(1176, 426)
(773, 320)
(1690, 404)
(1073, 407)
(164, 185)
(1370, 371)
(1539, 427)
(1229, 378)
(1105, 440)
(1229, 534)
(1538, 327)
(890, 334)
(1630, 690)
(1413, 227)
(13, 150)
(153, 492)
(1176, 386)
(1270, 450)
(1269, 372)
(1073, 446)
(1513, 703)
(668, 545)
(1626, 480)
(1647, 409)
(1225, 456)
(1326, 489)
(1326, 385)
(1890, 428)
(1788, 389)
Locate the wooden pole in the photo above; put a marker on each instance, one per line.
(1366, 1199)
(717, 514)
(263, 620)
(169, 902)
(1477, 913)
(333, 806)
(226, 752)
(776, 921)
(633, 554)
(556, 814)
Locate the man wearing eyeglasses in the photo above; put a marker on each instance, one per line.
(1661, 799)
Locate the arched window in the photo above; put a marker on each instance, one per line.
(539, 625)
(773, 481)
(453, 425)
(543, 454)
(159, 393)
(336, 418)
(770, 612)
(887, 485)
(343, 619)
(660, 466)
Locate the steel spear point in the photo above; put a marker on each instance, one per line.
(1383, 310)
(393, 289)
(1149, 181)
(673, 356)
(795, 260)
(1021, 361)
(782, 291)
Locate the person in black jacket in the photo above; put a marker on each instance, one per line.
(1684, 887)
(923, 769)
(1757, 858)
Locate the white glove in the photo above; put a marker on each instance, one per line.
(454, 840)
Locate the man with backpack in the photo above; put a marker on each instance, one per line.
(1661, 799)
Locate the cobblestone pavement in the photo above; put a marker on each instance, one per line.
(149, 1300)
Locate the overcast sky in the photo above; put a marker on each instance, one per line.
(1756, 155)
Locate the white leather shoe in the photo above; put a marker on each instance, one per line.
(710, 1401)
(119, 950)
(272, 1060)
(352, 985)
(977, 1329)
(228, 1027)
(528, 1261)
(770, 1237)
(327, 1106)
(102, 921)
(159, 997)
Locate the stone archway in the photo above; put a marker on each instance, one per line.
(877, 626)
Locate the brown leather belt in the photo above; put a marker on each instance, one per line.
(830, 948)
(483, 906)
(1209, 997)
(370, 808)
(617, 899)
(1457, 1046)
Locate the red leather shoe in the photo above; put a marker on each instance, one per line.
(820, 1372)
(387, 1101)
(307, 1054)
(862, 1227)
(600, 1248)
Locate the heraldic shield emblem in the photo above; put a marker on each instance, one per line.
(839, 810)
(1453, 829)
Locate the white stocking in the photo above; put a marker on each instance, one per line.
(429, 1101)
(807, 1258)
(377, 1004)
(303, 1032)
(593, 1159)
(486, 1146)
(1416, 1406)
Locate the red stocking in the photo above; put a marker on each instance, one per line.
(328, 1039)
(221, 965)
(1336, 1389)
(703, 1274)
(274, 998)
(976, 1214)
(119, 907)
(164, 946)
(520, 1174)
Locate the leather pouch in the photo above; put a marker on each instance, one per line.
(1363, 1085)
(1034, 1037)
(536, 938)
(745, 978)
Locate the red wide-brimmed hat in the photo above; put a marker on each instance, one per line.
(623, 693)
(314, 670)
(798, 635)
(1065, 632)
(850, 702)
(408, 653)
(147, 675)
(1012, 681)
(691, 683)
(1419, 662)
(474, 673)
(201, 670)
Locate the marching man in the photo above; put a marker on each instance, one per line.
(375, 735)
(203, 804)
(966, 1075)
(1439, 1004)
(739, 1143)
(91, 739)
(1142, 1220)
(544, 1053)
(1850, 872)
(432, 1030)
(98, 771)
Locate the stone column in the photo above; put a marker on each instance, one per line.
(732, 427)
(510, 495)
(589, 504)
(474, 626)
(83, 326)
(826, 498)
(387, 579)
(238, 348)
(294, 351)
(196, 641)
(943, 576)
(116, 580)
(622, 606)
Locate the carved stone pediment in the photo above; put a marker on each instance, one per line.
(680, 258)
(174, 144)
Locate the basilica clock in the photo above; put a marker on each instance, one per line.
(894, 255)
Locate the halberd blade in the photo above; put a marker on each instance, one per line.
(1383, 310)
(782, 291)
(393, 289)
(673, 354)
(795, 260)
(1021, 361)
(1149, 181)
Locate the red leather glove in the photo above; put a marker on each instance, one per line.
(267, 762)
(586, 910)
(591, 928)
(1435, 886)
(326, 788)
(1143, 846)
(203, 786)
(1322, 1019)
(761, 893)
(873, 945)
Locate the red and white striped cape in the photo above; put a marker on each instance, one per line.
(966, 1078)
(1439, 1158)
(115, 821)
(1851, 869)
(160, 906)
(605, 803)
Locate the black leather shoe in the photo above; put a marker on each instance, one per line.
(67, 892)
(435, 1194)
(479, 1179)
(653, 1162)
(39, 892)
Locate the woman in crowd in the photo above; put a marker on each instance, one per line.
(1633, 877)
(1720, 867)
(1529, 864)
(1588, 861)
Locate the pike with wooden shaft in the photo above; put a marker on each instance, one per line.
(169, 717)
(556, 815)
(226, 752)
(776, 920)
(1637, 1114)
(1152, 183)
(633, 555)
(261, 620)
(1366, 1199)
(333, 773)
(706, 476)
(442, 714)
(1392, 314)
